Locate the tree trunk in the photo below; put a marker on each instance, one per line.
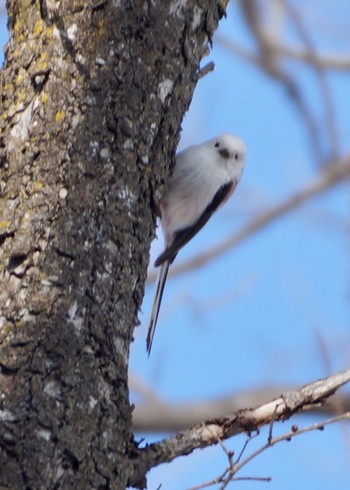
(93, 94)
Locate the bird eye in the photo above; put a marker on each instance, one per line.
(236, 156)
(217, 144)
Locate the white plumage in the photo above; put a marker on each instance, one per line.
(204, 177)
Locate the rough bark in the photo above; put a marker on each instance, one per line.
(92, 98)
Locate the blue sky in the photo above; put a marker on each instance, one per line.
(253, 316)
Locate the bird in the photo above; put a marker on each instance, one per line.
(204, 177)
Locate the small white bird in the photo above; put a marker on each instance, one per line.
(204, 178)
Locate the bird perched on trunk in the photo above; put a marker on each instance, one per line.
(204, 178)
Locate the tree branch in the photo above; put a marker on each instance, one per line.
(157, 415)
(212, 431)
(326, 93)
(328, 61)
(236, 465)
(252, 13)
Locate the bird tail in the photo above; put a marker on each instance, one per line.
(162, 275)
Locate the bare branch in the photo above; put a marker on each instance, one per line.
(333, 174)
(157, 415)
(270, 64)
(328, 61)
(247, 420)
(326, 93)
(234, 467)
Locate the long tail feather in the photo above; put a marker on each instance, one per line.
(162, 275)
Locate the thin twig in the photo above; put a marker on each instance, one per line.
(251, 10)
(271, 424)
(244, 447)
(229, 474)
(330, 118)
(328, 61)
(291, 434)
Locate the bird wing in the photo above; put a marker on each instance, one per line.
(186, 234)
